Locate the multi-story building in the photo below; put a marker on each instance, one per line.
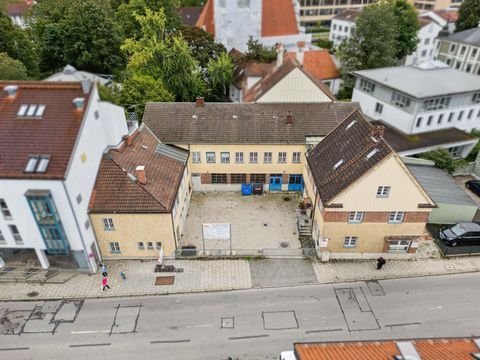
(342, 25)
(420, 99)
(461, 50)
(233, 22)
(428, 5)
(363, 199)
(141, 198)
(313, 12)
(52, 137)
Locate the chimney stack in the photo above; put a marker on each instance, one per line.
(199, 101)
(140, 173)
(129, 138)
(300, 51)
(79, 103)
(11, 91)
(280, 53)
(289, 118)
(378, 131)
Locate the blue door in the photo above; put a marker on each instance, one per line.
(275, 182)
(295, 183)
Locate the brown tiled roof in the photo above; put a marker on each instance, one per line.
(424, 21)
(206, 20)
(452, 349)
(449, 15)
(348, 15)
(53, 134)
(350, 146)
(269, 81)
(255, 123)
(190, 14)
(278, 18)
(319, 63)
(245, 70)
(115, 191)
(403, 142)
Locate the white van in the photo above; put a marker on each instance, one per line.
(287, 355)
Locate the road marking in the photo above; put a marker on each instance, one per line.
(197, 326)
(319, 331)
(169, 341)
(85, 345)
(248, 337)
(404, 324)
(90, 332)
(12, 349)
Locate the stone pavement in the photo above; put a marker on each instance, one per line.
(223, 275)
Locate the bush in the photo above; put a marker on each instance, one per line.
(317, 29)
(443, 160)
(324, 43)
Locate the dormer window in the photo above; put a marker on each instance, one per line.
(37, 164)
(337, 164)
(31, 110)
(371, 153)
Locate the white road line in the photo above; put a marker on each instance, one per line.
(90, 332)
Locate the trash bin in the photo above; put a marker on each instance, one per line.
(246, 189)
(257, 189)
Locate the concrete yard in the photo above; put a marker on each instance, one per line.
(257, 223)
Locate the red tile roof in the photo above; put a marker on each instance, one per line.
(53, 134)
(190, 14)
(452, 349)
(278, 18)
(206, 20)
(18, 7)
(319, 63)
(449, 15)
(116, 191)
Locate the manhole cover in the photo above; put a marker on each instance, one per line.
(32, 294)
(284, 244)
(165, 280)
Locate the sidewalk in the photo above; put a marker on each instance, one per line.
(223, 275)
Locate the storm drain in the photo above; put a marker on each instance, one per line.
(285, 244)
(165, 280)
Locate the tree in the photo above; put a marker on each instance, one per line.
(11, 69)
(220, 71)
(164, 57)
(259, 53)
(407, 26)
(468, 15)
(78, 32)
(127, 11)
(192, 2)
(202, 45)
(443, 160)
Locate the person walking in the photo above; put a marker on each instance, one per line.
(380, 262)
(105, 283)
(123, 275)
(104, 269)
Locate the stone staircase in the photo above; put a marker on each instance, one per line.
(304, 225)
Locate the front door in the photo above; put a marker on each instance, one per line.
(295, 183)
(275, 182)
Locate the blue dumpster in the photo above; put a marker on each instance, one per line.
(246, 189)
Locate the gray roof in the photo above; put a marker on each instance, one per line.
(69, 73)
(243, 123)
(440, 186)
(471, 37)
(423, 82)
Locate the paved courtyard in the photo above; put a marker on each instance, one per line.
(257, 222)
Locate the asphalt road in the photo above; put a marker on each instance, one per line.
(252, 324)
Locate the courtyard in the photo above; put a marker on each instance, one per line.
(260, 224)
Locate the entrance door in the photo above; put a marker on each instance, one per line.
(275, 182)
(295, 183)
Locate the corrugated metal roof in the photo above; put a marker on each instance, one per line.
(440, 186)
(172, 152)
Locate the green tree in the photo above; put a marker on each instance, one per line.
(192, 2)
(468, 15)
(78, 32)
(443, 160)
(202, 45)
(164, 57)
(220, 71)
(407, 26)
(126, 12)
(259, 53)
(11, 69)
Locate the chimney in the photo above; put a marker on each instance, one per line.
(79, 103)
(140, 173)
(289, 118)
(300, 51)
(199, 101)
(128, 139)
(280, 53)
(378, 131)
(11, 90)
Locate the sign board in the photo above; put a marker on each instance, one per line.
(323, 242)
(216, 231)
(414, 245)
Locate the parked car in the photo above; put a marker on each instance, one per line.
(461, 234)
(473, 186)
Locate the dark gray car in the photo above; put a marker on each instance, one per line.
(462, 234)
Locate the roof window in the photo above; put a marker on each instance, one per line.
(351, 124)
(371, 153)
(31, 110)
(337, 164)
(37, 164)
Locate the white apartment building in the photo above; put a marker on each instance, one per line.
(342, 25)
(52, 138)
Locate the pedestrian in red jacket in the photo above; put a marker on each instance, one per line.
(105, 283)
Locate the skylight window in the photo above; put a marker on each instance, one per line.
(43, 164)
(371, 153)
(40, 110)
(31, 110)
(32, 164)
(22, 110)
(337, 164)
(37, 164)
(351, 124)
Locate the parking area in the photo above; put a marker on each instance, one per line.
(461, 180)
(257, 222)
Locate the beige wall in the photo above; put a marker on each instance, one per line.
(182, 202)
(132, 228)
(295, 87)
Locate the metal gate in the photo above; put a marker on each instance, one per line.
(275, 182)
(295, 183)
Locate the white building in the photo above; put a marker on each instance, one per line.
(52, 138)
(233, 22)
(420, 99)
(342, 25)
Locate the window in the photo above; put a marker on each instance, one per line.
(257, 178)
(429, 121)
(210, 157)
(470, 113)
(238, 178)
(267, 157)
(239, 157)
(219, 178)
(141, 245)
(378, 108)
(282, 157)
(225, 157)
(2, 238)
(243, 3)
(196, 157)
(452, 48)
(476, 98)
(79, 198)
(87, 225)
(158, 245)
(350, 242)
(462, 50)
(383, 191)
(150, 245)
(355, 216)
(115, 248)
(7, 215)
(296, 157)
(427, 41)
(108, 224)
(400, 100)
(460, 115)
(436, 104)
(37, 164)
(334, 26)
(424, 53)
(16, 234)
(97, 115)
(468, 68)
(473, 53)
(253, 157)
(396, 217)
(398, 246)
(450, 117)
(419, 122)
(31, 110)
(367, 86)
(457, 65)
(456, 151)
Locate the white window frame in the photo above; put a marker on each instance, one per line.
(114, 247)
(210, 157)
(239, 157)
(282, 157)
(401, 246)
(108, 224)
(355, 217)
(267, 157)
(196, 157)
(158, 245)
(378, 108)
(367, 86)
(225, 157)
(296, 157)
(141, 245)
(7, 215)
(383, 191)
(16, 234)
(150, 245)
(350, 242)
(402, 101)
(254, 157)
(396, 217)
